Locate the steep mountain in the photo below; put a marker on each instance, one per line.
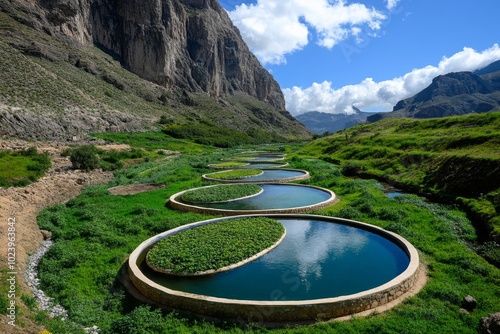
(451, 94)
(491, 74)
(72, 66)
(320, 122)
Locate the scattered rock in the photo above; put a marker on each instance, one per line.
(31, 276)
(469, 303)
(491, 324)
(46, 234)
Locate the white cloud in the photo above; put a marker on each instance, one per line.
(391, 4)
(275, 28)
(382, 96)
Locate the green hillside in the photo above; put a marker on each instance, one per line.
(452, 159)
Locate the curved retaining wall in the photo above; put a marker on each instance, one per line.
(242, 180)
(174, 204)
(276, 311)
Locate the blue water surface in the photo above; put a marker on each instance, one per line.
(317, 259)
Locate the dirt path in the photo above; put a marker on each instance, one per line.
(21, 206)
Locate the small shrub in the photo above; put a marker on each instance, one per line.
(352, 168)
(84, 157)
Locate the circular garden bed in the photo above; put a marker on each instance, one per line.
(221, 193)
(215, 247)
(229, 164)
(234, 174)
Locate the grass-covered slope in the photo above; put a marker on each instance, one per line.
(95, 233)
(453, 158)
(53, 88)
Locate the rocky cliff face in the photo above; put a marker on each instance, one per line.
(188, 44)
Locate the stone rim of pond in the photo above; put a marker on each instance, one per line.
(178, 205)
(268, 312)
(306, 175)
(277, 164)
(255, 158)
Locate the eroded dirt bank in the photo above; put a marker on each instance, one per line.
(21, 205)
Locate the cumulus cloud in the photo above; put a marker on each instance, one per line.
(294, 22)
(382, 96)
(391, 4)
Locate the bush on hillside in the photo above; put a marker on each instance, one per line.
(84, 157)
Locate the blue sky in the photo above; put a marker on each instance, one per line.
(328, 55)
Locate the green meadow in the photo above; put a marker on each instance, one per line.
(95, 232)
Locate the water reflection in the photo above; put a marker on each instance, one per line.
(317, 259)
(308, 248)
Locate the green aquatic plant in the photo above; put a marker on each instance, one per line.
(234, 174)
(216, 245)
(220, 193)
(229, 164)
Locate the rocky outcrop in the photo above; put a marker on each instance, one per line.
(491, 324)
(452, 94)
(187, 44)
(73, 124)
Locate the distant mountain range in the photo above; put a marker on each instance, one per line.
(320, 122)
(456, 93)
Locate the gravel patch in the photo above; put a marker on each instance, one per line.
(45, 302)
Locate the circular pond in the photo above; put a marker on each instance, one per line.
(267, 175)
(275, 198)
(264, 165)
(260, 158)
(257, 157)
(324, 268)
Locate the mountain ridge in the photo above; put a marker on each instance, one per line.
(321, 123)
(455, 93)
(180, 52)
